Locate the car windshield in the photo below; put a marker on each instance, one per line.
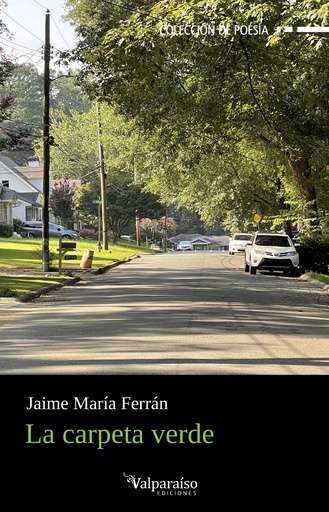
(278, 241)
(242, 237)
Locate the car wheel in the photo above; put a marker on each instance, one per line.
(252, 270)
(66, 237)
(246, 267)
(31, 235)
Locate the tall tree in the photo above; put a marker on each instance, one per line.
(26, 85)
(61, 200)
(125, 199)
(13, 136)
(203, 93)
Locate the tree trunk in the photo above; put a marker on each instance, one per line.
(301, 171)
(287, 227)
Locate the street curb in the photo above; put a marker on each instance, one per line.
(46, 289)
(315, 282)
(26, 297)
(104, 269)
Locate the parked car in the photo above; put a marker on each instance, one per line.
(238, 242)
(184, 245)
(271, 251)
(33, 229)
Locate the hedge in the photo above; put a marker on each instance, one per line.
(314, 254)
(6, 231)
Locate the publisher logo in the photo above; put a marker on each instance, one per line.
(179, 487)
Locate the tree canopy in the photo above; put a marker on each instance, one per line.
(13, 135)
(236, 121)
(124, 199)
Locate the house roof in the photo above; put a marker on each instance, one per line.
(15, 170)
(7, 162)
(31, 173)
(7, 194)
(194, 238)
(32, 198)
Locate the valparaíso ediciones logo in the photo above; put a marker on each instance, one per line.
(180, 487)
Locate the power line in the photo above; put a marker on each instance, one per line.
(60, 33)
(15, 44)
(19, 54)
(33, 34)
(35, 1)
(17, 23)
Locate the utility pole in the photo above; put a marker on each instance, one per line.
(103, 179)
(165, 232)
(46, 150)
(137, 219)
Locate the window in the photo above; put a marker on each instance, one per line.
(3, 213)
(5, 183)
(279, 241)
(242, 237)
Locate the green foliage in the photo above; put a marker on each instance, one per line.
(13, 136)
(319, 277)
(53, 256)
(314, 253)
(164, 223)
(125, 199)
(8, 292)
(234, 124)
(61, 199)
(26, 86)
(6, 231)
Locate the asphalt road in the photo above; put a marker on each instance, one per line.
(177, 313)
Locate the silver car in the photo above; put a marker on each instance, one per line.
(185, 245)
(33, 229)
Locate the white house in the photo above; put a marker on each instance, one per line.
(28, 205)
(203, 242)
(8, 199)
(27, 182)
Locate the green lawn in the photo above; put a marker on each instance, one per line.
(25, 255)
(320, 277)
(15, 285)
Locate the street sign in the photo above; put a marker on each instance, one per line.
(257, 218)
(97, 201)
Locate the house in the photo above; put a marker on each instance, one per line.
(202, 242)
(27, 182)
(8, 199)
(28, 203)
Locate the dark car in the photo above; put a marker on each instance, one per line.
(33, 229)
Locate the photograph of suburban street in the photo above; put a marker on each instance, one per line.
(164, 189)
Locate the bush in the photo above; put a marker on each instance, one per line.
(8, 292)
(314, 253)
(88, 233)
(6, 231)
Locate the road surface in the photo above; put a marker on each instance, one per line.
(176, 313)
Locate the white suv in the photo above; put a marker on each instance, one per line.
(271, 251)
(238, 242)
